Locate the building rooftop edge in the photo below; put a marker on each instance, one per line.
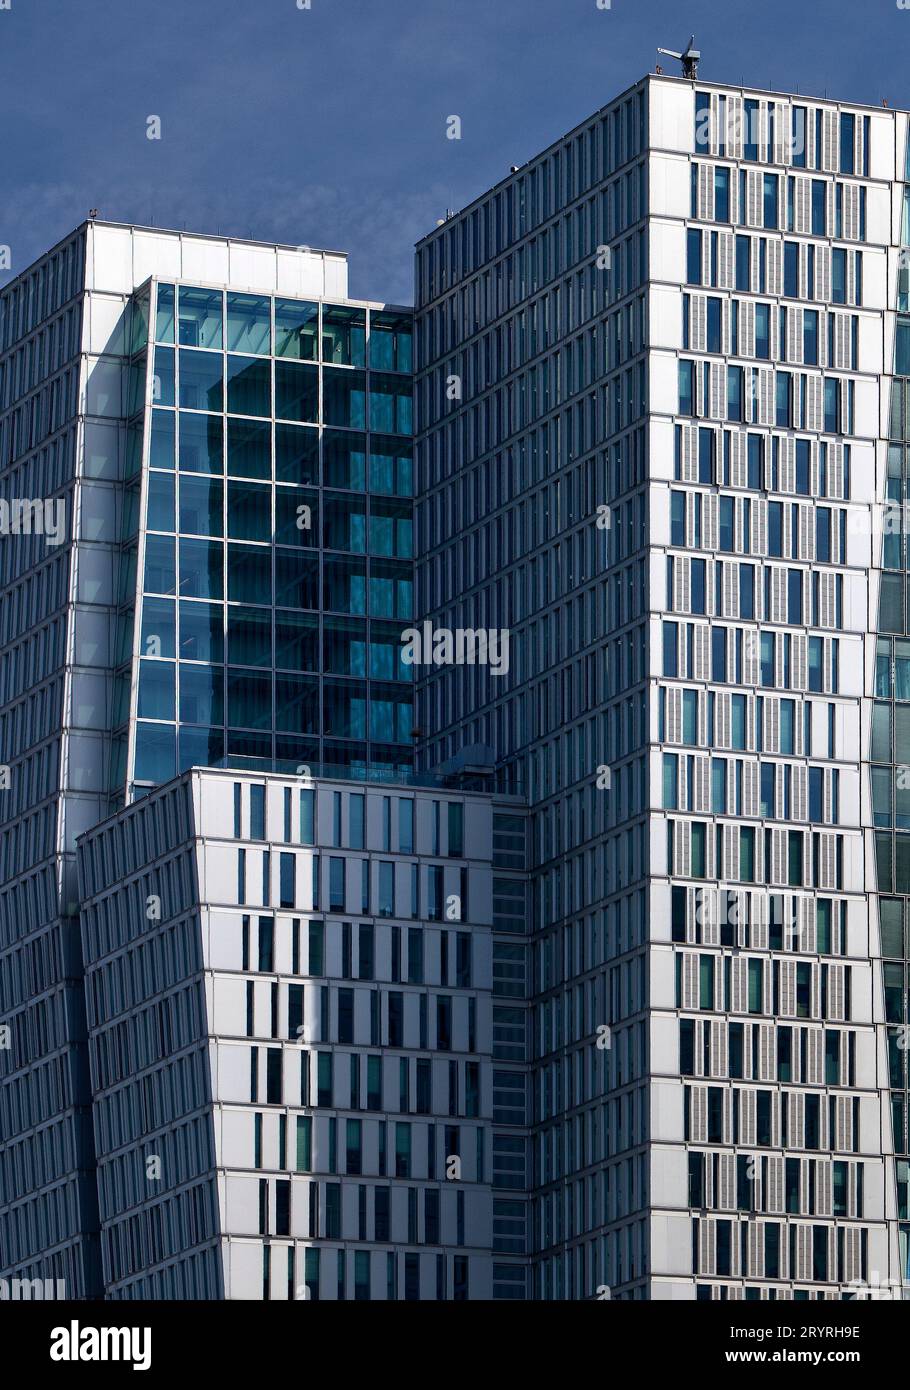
(370, 784)
(199, 236)
(649, 77)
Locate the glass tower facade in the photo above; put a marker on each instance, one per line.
(889, 748)
(276, 550)
(650, 402)
(48, 712)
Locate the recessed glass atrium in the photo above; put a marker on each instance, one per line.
(275, 551)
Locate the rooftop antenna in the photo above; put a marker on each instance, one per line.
(689, 58)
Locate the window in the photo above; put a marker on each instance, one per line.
(287, 874)
(402, 1150)
(257, 812)
(353, 1146)
(763, 1118)
(770, 201)
(434, 892)
(324, 1078)
(838, 275)
(698, 591)
(316, 961)
(706, 982)
(356, 820)
(747, 854)
(690, 717)
(902, 348)
(715, 1115)
(333, 1210)
(766, 790)
(742, 263)
(307, 817)
(798, 142)
(791, 269)
(847, 136)
(738, 721)
(718, 787)
(734, 393)
(698, 846)
(415, 956)
(405, 825)
(693, 256)
(686, 388)
(336, 885)
(718, 654)
(795, 864)
(706, 442)
(727, 530)
(345, 1015)
(713, 324)
(787, 726)
(721, 194)
(386, 889)
(702, 120)
(304, 1143)
(747, 591)
(750, 133)
(456, 829)
(671, 775)
(818, 207)
(677, 518)
(775, 540)
(670, 648)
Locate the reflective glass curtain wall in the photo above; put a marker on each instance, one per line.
(276, 544)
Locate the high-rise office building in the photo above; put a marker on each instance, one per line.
(289, 990)
(206, 541)
(654, 405)
(661, 621)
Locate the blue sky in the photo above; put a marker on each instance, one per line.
(327, 126)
